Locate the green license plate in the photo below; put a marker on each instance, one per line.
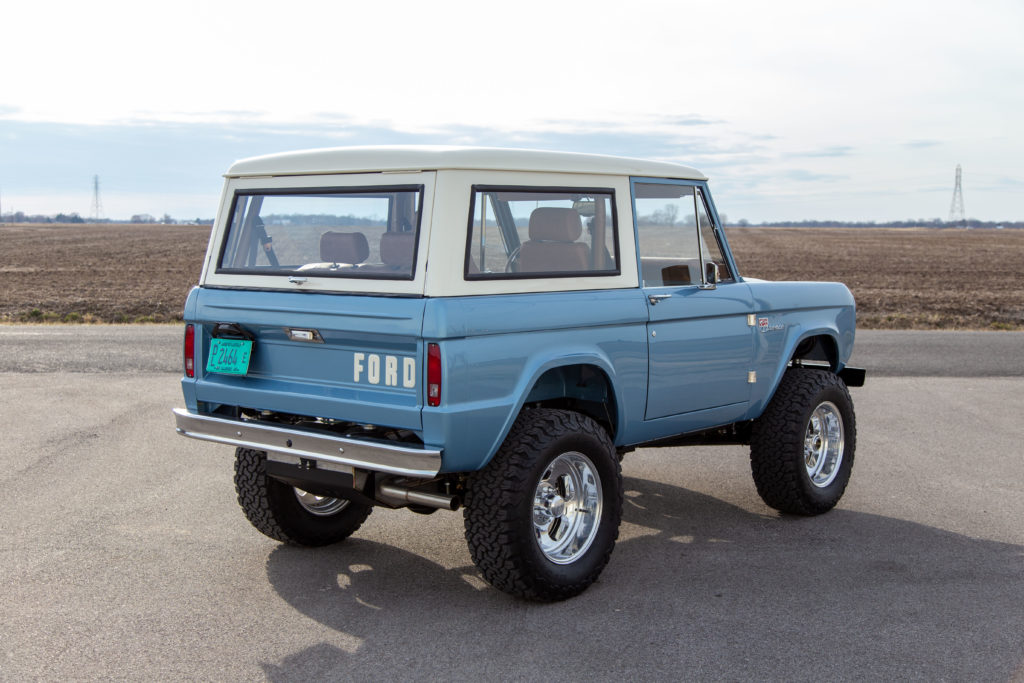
(229, 356)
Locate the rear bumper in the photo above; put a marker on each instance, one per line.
(292, 445)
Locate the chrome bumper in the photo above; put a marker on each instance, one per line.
(291, 445)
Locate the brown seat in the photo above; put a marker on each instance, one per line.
(344, 247)
(552, 247)
(397, 250)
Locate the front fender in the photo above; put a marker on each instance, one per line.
(792, 312)
(782, 362)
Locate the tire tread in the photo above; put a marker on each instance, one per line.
(266, 504)
(776, 444)
(494, 502)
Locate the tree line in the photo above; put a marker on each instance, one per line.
(657, 218)
(74, 217)
(919, 223)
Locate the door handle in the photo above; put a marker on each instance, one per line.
(655, 298)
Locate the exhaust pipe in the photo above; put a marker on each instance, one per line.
(403, 496)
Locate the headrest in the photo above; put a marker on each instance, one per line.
(344, 247)
(397, 248)
(555, 224)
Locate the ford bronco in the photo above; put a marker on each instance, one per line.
(434, 328)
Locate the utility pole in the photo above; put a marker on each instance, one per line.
(956, 208)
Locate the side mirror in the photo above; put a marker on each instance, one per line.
(710, 275)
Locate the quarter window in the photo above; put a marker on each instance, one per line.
(541, 232)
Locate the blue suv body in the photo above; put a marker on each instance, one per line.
(433, 328)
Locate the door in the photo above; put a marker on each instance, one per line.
(698, 331)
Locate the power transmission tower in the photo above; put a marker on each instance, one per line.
(97, 206)
(956, 209)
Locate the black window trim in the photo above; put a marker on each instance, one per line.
(332, 190)
(702, 191)
(699, 188)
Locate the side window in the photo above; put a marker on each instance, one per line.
(712, 250)
(675, 234)
(541, 232)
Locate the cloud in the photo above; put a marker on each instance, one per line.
(999, 183)
(691, 120)
(921, 144)
(834, 151)
(152, 167)
(148, 158)
(804, 176)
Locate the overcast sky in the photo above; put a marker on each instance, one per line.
(796, 110)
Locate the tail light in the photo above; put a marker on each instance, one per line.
(190, 350)
(433, 375)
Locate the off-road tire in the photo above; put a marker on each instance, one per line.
(777, 443)
(499, 506)
(273, 508)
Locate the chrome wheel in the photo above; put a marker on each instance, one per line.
(823, 444)
(321, 506)
(567, 507)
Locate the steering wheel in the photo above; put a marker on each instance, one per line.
(511, 260)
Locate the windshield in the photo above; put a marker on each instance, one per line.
(351, 232)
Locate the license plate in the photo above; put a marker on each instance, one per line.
(229, 356)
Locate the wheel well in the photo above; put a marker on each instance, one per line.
(583, 388)
(821, 349)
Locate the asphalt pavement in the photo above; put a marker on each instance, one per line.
(125, 556)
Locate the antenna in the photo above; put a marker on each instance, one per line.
(97, 205)
(956, 208)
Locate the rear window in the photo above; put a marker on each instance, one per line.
(526, 232)
(349, 232)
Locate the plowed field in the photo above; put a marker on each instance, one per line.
(902, 279)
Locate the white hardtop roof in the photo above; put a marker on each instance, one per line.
(432, 158)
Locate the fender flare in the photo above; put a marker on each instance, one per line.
(535, 368)
(792, 342)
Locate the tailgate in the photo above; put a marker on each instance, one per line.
(347, 357)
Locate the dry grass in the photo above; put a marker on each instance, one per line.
(902, 279)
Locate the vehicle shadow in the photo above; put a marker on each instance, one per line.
(696, 587)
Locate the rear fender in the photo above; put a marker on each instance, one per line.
(539, 383)
(585, 388)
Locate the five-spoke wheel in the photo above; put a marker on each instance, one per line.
(567, 507)
(321, 506)
(823, 444)
(542, 517)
